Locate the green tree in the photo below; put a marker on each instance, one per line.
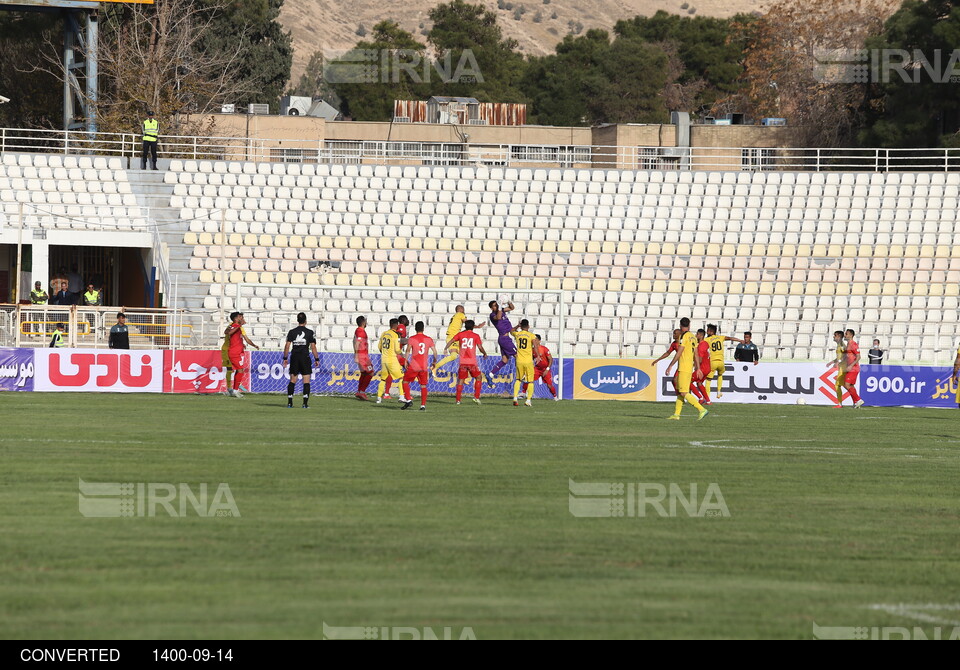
(710, 49)
(920, 112)
(251, 29)
(468, 35)
(312, 83)
(366, 87)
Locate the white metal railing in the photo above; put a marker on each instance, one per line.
(162, 328)
(128, 146)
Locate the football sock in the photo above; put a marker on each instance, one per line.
(306, 394)
(679, 406)
(477, 384)
(380, 387)
(695, 390)
(497, 367)
(553, 389)
(291, 387)
(529, 390)
(387, 388)
(839, 392)
(459, 391)
(406, 390)
(704, 392)
(229, 378)
(516, 389)
(854, 395)
(696, 404)
(365, 378)
(423, 395)
(719, 383)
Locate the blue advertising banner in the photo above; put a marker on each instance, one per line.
(16, 369)
(338, 373)
(903, 385)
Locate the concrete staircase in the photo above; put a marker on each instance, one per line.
(153, 195)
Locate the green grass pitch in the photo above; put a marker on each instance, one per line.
(359, 515)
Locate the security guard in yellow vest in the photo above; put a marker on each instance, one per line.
(38, 296)
(58, 340)
(151, 132)
(92, 296)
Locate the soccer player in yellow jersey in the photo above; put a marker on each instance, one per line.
(456, 325)
(717, 367)
(841, 364)
(689, 360)
(389, 347)
(527, 349)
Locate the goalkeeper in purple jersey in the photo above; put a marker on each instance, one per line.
(498, 317)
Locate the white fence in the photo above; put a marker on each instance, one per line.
(128, 146)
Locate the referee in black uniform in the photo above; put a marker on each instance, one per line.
(302, 341)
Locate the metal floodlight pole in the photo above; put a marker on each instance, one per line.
(16, 296)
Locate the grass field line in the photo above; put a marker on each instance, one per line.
(715, 444)
(52, 440)
(916, 612)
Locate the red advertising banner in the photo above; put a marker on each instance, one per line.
(193, 372)
(98, 370)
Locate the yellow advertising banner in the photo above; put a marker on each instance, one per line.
(614, 379)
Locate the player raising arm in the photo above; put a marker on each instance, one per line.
(469, 343)
(454, 327)
(500, 320)
(716, 363)
(688, 361)
(418, 368)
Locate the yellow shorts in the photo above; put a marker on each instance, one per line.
(717, 367)
(683, 381)
(841, 377)
(525, 372)
(390, 369)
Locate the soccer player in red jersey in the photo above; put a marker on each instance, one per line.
(418, 367)
(852, 354)
(673, 348)
(703, 350)
(402, 332)
(469, 343)
(361, 354)
(234, 345)
(542, 367)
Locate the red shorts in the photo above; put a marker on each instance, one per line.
(468, 371)
(421, 376)
(545, 373)
(704, 371)
(402, 361)
(365, 364)
(235, 360)
(851, 377)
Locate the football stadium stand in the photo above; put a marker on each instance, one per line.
(789, 255)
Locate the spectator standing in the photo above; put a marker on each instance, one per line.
(74, 285)
(151, 134)
(92, 297)
(875, 355)
(119, 337)
(747, 351)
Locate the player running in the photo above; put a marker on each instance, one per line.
(418, 367)
(302, 341)
(688, 360)
(232, 353)
(839, 362)
(852, 353)
(361, 354)
(526, 352)
(469, 343)
(717, 366)
(542, 367)
(671, 349)
(498, 317)
(703, 351)
(455, 326)
(390, 369)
